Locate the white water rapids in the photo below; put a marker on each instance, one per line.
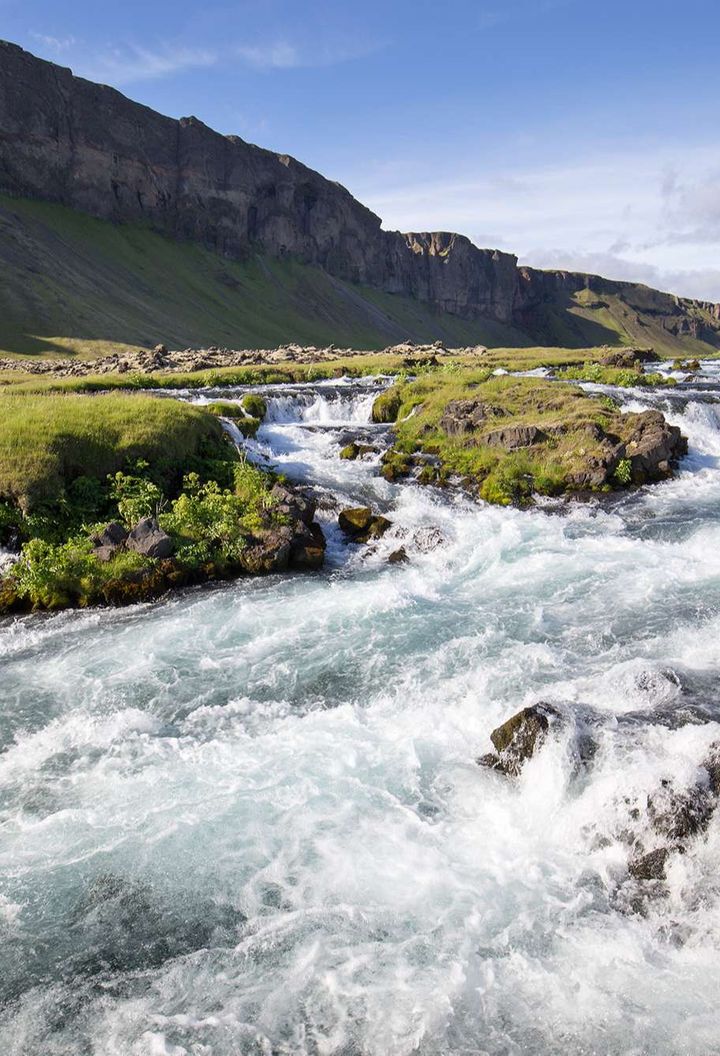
(247, 819)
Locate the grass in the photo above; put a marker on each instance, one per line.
(48, 441)
(565, 413)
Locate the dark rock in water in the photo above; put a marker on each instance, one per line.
(653, 446)
(398, 557)
(269, 551)
(519, 738)
(599, 468)
(630, 358)
(463, 416)
(148, 538)
(355, 450)
(712, 765)
(361, 524)
(650, 866)
(680, 815)
(307, 550)
(515, 437)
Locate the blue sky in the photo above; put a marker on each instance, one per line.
(574, 134)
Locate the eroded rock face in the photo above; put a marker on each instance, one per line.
(148, 539)
(518, 739)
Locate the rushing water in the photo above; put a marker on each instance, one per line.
(247, 819)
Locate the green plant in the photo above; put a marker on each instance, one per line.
(254, 405)
(135, 495)
(623, 471)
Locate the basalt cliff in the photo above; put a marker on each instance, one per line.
(87, 147)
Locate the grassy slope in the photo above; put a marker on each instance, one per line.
(71, 283)
(48, 440)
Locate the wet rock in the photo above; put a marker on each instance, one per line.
(148, 538)
(678, 816)
(464, 416)
(712, 765)
(268, 551)
(361, 524)
(307, 550)
(650, 866)
(355, 450)
(514, 437)
(597, 468)
(518, 739)
(398, 557)
(653, 446)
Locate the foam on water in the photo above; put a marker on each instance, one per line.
(248, 818)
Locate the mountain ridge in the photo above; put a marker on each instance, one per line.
(89, 148)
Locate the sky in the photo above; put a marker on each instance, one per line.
(575, 134)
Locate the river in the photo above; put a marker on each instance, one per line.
(247, 819)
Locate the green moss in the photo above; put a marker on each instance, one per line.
(254, 405)
(387, 405)
(620, 376)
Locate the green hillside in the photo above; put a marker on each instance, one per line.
(71, 283)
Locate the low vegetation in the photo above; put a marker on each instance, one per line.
(71, 464)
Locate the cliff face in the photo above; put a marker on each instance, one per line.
(86, 146)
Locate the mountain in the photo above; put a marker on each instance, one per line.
(198, 237)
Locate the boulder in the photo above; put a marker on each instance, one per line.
(361, 524)
(518, 739)
(269, 551)
(514, 437)
(678, 816)
(295, 504)
(109, 541)
(307, 549)
(652, 447)
(148, 538)
(630, 358)
(464, 416)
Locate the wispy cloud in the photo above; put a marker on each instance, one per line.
(650, 215)
(57, 45)
(127, 64)
(278, 56)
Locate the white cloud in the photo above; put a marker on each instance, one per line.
(57, 45)
(650, 216)
(126, 64)
(278, 56)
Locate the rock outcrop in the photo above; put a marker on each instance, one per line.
(84, 145)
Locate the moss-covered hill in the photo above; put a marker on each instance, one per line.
(76, 285)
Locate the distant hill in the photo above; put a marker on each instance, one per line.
(121, 226)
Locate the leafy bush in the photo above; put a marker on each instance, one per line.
(135, 495)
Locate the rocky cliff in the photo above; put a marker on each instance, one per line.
(86, 146)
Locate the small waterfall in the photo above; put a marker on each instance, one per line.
(336, 405)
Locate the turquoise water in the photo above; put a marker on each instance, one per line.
(247, 819)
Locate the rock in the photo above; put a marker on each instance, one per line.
(307, 550)
(160, 350)
(109, 541)
(650, 866)
(294, 503)
(149, 539)
(269, 551)
(712, 765)
(630, 358)
(361, 524)
(678, 816)
(519, 738)
(464, 416)
(514, 437)
(355, 450)
(652, 446)
(398, 557)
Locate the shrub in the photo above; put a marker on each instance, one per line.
(623, 471)
(135, 495)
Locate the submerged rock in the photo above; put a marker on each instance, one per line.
(398, 557)
(518, 739)
(361, 524)
(650, 866)
(148, 538)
